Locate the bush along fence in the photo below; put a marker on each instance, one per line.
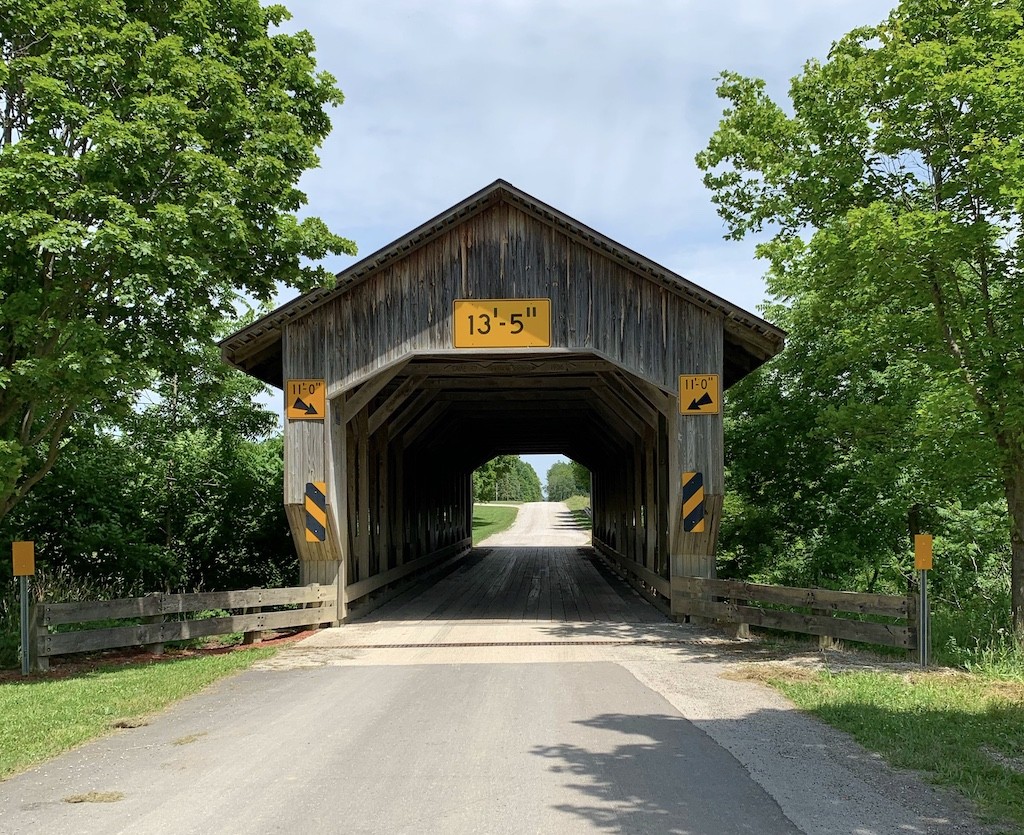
(820, 610)
(158, 618)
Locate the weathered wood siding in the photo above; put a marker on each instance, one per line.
(388, 509)
(597, 304)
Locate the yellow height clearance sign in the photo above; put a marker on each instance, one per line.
(305, 399)
(700, 394)
(502, 323)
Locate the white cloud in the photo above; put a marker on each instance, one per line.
(596, 107)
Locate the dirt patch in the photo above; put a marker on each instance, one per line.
(80, 665)
(130, 723)
(95, 797)
(764, 672)
(188, 740)
(1014, 764)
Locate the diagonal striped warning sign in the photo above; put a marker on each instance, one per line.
(316, 511)
(693, 502)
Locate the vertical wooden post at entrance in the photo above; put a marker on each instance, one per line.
(696, 447)
(309, 460)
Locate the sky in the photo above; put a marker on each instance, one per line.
(596, 107)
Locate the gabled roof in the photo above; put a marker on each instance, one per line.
(256, 348)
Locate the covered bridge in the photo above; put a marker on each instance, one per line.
(500, 326)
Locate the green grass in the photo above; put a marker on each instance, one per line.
(964, 731)
(491, 519)
(42, 718)
(576, 505)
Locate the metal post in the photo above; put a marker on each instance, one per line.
(923, 638)
(25, 631)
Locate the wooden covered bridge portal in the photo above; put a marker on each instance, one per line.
(500, 326)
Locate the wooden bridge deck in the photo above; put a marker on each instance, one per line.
(524, 583)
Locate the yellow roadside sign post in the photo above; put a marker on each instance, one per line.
(923, 564)
(23, 555)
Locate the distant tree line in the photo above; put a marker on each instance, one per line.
(506, 478)
(567, 479)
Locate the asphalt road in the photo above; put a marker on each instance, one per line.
(481, 726)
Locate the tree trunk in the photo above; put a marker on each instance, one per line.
(1015, 504)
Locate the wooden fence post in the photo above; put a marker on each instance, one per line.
(742, 630)
(256, 636)
(157, 648)
(825, 641)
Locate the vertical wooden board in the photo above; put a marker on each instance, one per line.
(338, 482)
(352, 574)
(398, 509)
(650, 503)
(363, 486)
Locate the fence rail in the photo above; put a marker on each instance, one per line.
(730, 601)
(319, 605)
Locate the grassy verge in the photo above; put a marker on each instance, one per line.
(576, 504)
(965, 731)
(40, 719)
(491, 519)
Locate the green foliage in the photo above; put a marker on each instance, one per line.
(966, 732)
(567, 479)
(10, 627)
(561, 482)
(579, 507)
(185, 494)
(489, 520)
(893, 191)
(506, 478)
(149, 161)
(581, 475)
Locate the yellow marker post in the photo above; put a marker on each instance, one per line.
(23, 556)
(923, 564)
(316, 511)
(693, 502)
(923, 551)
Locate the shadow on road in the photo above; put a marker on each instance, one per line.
(665, 776)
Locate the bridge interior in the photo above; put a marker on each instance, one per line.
(525, 583)
(416, 432)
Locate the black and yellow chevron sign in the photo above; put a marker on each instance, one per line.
(693, 502)
(316, 511)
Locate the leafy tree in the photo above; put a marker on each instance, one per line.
(149, 156)
(836, 457)
(581, 475)
(506, 478)
(894, 193)
(185, 494)
(561, 482)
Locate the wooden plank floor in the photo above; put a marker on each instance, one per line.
(523, 583)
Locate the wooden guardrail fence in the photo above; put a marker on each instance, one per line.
(731, 601)
(653, 587)
(319, 606)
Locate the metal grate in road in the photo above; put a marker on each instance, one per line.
(465, 644)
